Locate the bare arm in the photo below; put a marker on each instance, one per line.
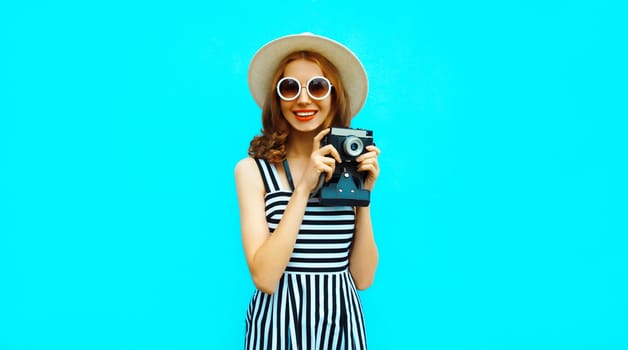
(364, 256)
(268, 255)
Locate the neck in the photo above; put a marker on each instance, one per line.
(299, 144)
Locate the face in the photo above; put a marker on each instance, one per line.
(304, 113)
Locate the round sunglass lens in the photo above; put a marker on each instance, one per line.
(289, 88)
(318, 87)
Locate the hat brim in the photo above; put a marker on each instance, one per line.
(266, 61)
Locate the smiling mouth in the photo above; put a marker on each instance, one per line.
(304, 116)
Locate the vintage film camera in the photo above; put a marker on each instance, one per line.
(345, 186)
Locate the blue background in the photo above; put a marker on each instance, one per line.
(500, 212)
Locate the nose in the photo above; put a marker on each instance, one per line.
(304, 97)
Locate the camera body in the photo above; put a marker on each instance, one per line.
(345, 186)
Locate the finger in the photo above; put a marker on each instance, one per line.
(374, 148)
(323, 164)
(368, 155)
(371, 168)
(369, 161)
(318, 138)
(327, 169)
(331, 150)
(330, 167)
(331, 162)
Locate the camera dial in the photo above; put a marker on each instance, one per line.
(353, 146)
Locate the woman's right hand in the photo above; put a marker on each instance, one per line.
(320, 163)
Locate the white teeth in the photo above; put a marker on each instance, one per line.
(305, 114)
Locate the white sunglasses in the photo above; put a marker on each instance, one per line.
(289, 88)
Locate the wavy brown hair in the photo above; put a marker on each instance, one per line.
(271, 143)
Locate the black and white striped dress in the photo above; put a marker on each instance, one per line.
(315, 304)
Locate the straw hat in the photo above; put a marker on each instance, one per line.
(265, 63)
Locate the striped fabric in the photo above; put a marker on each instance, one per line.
(315, 304)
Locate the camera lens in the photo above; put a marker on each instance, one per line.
(353, 146)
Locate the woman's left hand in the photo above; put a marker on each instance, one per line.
(368, 162)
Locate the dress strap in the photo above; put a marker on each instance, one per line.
(288, 174)
(270, 182)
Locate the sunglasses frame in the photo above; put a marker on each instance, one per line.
(307, 88)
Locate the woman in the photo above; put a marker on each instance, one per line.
(306, 260)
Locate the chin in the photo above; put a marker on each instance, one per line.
(309, 126)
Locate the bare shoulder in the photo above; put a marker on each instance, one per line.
(245, 165)
(247, 174)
